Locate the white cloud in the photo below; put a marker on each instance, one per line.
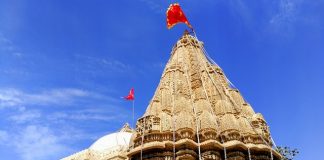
(8, 98)
(23, 102)
(35, 133)
(35, 141)
(25, 116)
(56, 96)
(62, 96)
(39, 142)
(24, 112)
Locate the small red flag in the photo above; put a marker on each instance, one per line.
(175, 15)
(130, 96)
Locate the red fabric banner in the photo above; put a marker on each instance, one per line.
(130, 96)
(175, 15)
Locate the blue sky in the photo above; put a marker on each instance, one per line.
(64, 64)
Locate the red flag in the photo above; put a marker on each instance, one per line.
(130, 96)
(175, 15)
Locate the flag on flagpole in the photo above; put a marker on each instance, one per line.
(175, 15)
(130, 96)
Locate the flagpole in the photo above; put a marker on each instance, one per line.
(134, 125)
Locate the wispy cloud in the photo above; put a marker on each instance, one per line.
(154, 5)
(5, 43)
(8, 98)
(14, 71)
(35, 135)
(25, 111)
(25, 116)
(85, 115)
(99, 65)
(55, 96)
(3, 136)
(62, 96)
(38, 142)
(240, 9)
(8, 47)
(286, 15)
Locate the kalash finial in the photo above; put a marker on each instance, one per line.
(186, 32)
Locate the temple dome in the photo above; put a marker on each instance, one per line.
(112, 141)
(109, 146)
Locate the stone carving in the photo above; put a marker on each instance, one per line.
(195, 109)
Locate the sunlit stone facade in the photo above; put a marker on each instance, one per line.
(196, 113)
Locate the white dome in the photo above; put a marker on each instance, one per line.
(112, 141)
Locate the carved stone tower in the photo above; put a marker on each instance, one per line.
(196, 114)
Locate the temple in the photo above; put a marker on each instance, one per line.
(195, 113)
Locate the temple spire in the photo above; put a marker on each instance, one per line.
(194, 106)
